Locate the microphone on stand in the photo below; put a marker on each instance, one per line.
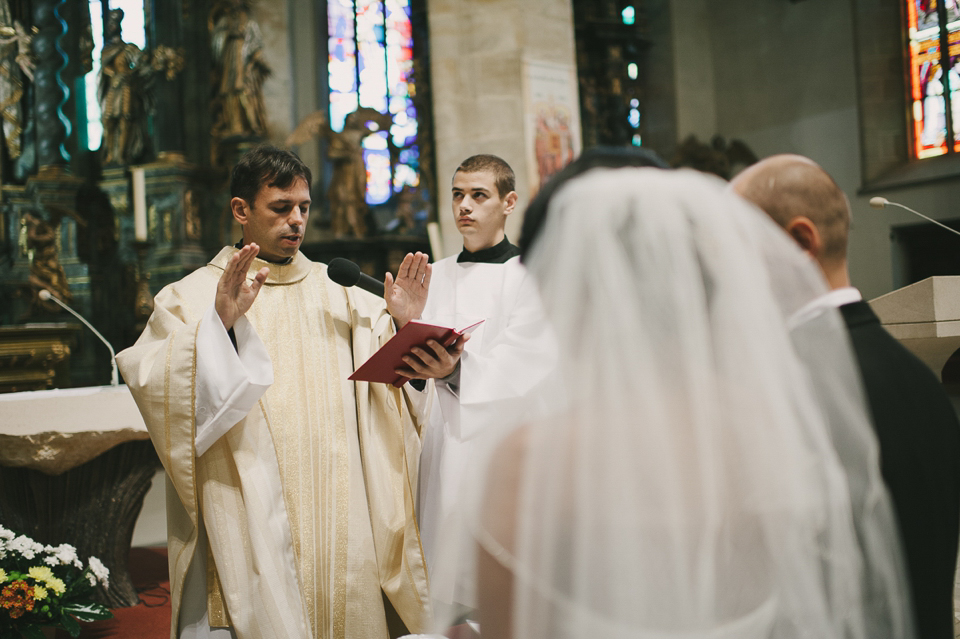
(346, 273)
(881, 202)
(47, 296)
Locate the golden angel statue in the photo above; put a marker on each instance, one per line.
(239, 70)
(348, 185)
(16, 58)
(125, 93)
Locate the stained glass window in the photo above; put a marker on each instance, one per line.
(934, 47)
(370, 64)
(629, 16)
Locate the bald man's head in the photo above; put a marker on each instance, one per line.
(791, 186)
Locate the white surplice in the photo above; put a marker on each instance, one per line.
(508, 359)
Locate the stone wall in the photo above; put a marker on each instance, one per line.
(477, 50)
(785, 79)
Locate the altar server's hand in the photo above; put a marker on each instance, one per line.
(234, 294)
(407, 295)
(433, 362)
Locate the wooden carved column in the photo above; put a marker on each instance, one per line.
(53, 127)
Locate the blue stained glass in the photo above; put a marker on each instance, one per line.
(404, 130)
(376, 142)
(410, 156)
(634, 118)
(629, 15)
(91, 80)
(399, 29)
(382, 58)
(373, 77)
(405, 175)
(341, 105)
(342, 66)
(340, 18)
(378, 175)
(399, 104)
(370, 21)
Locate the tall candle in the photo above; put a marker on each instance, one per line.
(436, 241)
(139, 204)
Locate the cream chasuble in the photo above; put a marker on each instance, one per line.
(508, 360)
(308, 500)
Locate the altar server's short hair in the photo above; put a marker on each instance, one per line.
(503, 176)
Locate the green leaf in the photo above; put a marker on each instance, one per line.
(69, 624)
(31, 632)
(88, 611)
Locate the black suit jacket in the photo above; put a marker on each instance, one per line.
(919, 439)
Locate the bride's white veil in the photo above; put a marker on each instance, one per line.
(713, 474)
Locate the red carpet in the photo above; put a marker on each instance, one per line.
(150, 619)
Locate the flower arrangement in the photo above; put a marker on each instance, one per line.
(46, 586)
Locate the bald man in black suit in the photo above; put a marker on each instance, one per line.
(916, 425)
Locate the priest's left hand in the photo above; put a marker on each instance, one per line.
(433, 362)
(407, 295)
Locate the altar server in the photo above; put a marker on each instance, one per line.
(496, 382)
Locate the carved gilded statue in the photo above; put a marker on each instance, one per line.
(348, 184)
(239, 70)
(45, 269)
(16, 61)
(126, 96)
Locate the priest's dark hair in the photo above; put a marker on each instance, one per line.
(503, 176)
(266, 165)
(606, 157)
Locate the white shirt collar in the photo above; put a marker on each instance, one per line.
(833, 299)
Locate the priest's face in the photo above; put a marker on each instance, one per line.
(479, 209)
(276, 219)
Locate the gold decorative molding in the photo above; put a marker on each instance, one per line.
(35, 356)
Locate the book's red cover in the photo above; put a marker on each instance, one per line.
(382, 365)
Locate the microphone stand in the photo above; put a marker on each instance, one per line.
(881, 202)
(46, 295)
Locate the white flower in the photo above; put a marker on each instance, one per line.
(67, 554)
(51, 561)
(26, 546)
(6, 535)
(91, 579)
(101, 571)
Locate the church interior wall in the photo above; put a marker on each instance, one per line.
(782, 77)
(477, 54)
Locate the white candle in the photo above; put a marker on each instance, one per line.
(436, 241)
(139, 203)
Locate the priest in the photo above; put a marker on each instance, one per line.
(493, 385)
(291, 490)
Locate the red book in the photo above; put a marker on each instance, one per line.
(382, 365)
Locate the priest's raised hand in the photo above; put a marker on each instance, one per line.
(407, 294)
(234, 295)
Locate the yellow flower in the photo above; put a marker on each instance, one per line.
(56, 585)
(3, 575)
(39, 593)
(41, 573)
